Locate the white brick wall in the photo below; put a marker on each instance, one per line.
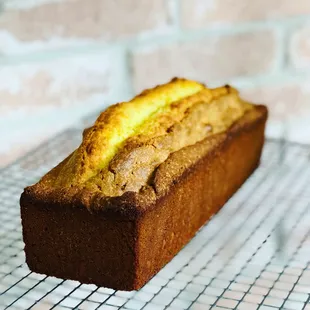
(60, 59)
(211, 59)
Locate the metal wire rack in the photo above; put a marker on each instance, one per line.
(254, 254)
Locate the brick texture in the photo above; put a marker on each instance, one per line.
(62, 22)
(200, 13)
(86, 66)
(209, 60)
(289, 106)
(38, 99)
(67, 81)
(284, 100)
(299, 48)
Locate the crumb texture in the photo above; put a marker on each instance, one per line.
(130, 140)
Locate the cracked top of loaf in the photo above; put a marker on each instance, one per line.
(130, 140)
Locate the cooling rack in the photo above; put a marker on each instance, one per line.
(254, 254)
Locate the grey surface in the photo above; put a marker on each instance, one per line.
(234, 262)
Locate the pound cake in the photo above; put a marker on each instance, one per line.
(147, 175)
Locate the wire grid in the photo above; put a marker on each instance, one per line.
(254, 254)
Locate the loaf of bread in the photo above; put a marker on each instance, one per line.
(147, 175)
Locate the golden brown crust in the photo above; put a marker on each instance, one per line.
(114, 126)
(132, 204)
(92, 170)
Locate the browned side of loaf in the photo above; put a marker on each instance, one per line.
(198, 195)
(71, 242)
